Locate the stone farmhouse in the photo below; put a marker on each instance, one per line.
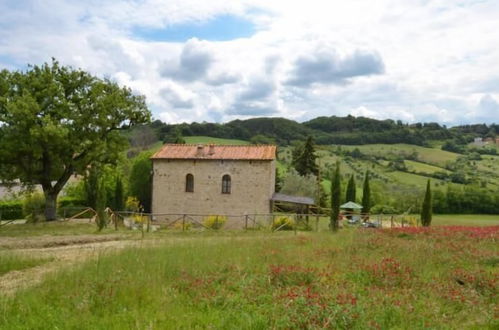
(213, 179)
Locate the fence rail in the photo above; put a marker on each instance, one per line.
(185, 221)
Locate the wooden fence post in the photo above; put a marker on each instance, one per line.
(317, 222)
(245, 222)
(141, 224)
(296, 223)
(183, 222)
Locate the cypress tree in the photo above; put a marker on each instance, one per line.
(335, 198)
(101, 205)
(90, 186)
(351, 190)
(427, 209)
(119, 199)
(305, 158)
(366, 195)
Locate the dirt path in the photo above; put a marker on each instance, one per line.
(64, 255)
(71, 250)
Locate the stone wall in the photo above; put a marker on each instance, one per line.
(252, 186)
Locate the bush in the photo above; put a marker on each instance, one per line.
(185, 226)
(71, 202)
(215, 221)
(132, 204)
(70, 206)
(33, 206)
(283, 223)
(11, 210)
(384, 209)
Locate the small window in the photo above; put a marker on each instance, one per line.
(189, 183)
(226, 184)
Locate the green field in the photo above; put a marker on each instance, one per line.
(356, 279)
(428, 155)
(465, 220)
(208, 140)
(419, 167)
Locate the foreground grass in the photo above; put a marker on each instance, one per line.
(54, 228)
(357, 279)
(10, 261)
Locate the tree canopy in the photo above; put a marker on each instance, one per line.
(55, 121)
(304, 158)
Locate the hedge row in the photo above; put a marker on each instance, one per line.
(69, 206)
(11, 210)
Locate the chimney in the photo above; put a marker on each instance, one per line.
(200, 150)
(211, 149)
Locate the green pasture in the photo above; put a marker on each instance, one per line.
(428, 155)
(419, 167)
(465, 220)
(356, 279)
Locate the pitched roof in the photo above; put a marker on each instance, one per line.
(278, 197)
(232, 152)
(351, 205)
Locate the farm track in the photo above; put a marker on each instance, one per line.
(70, 253)
(66, 251)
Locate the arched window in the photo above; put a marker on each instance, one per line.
(226, 184)
(189, 183)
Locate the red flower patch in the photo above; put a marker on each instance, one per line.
(389, 272)
(282, 275)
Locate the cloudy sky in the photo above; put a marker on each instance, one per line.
(198, 60)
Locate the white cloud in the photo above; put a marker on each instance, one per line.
(410, 60)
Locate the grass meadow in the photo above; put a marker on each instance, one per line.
(407, 278)
(428, 155)
(13, 261)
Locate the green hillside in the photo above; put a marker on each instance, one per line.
(208, 140)
(428, 155)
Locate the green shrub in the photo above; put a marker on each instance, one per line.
(283, 223)
(11, 210)
(384, 209)
(215, 221)
(33, 206)
(70, 206)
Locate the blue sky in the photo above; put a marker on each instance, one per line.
(218, 28)
(218, 60)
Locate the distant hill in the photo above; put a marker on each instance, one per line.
(347, 130)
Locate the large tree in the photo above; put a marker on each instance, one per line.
(56, 121)
(304, 158)
(140, 180)
(335, 198)
(427, 209)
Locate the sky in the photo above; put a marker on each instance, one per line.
(216, 61)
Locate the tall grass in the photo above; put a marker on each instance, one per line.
(357, 279)
(11, 261)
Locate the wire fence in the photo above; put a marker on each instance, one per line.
(277, 221)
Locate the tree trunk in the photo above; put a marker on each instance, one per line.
(50, 206)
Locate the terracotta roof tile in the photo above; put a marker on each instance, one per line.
(235, 152)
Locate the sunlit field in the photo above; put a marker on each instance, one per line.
(439, 277)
